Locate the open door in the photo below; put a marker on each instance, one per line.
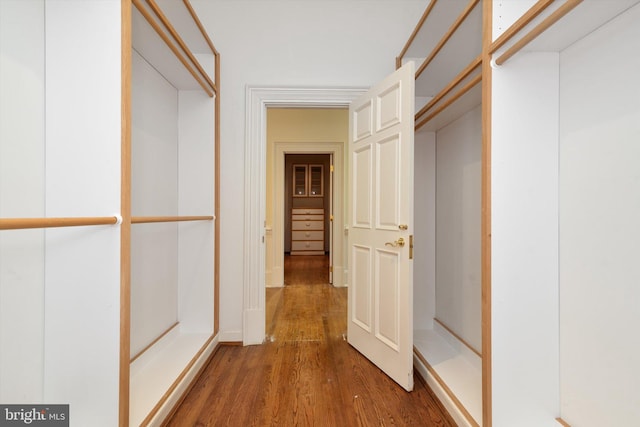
(331, 218)
(380, 313)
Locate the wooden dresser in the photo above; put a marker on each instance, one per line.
(307, 231)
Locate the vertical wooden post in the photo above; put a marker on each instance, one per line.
(216, 246)
(125, 211)
(487, 10)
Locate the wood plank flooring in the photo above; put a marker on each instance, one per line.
(306, 374)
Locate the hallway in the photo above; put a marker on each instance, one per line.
(306, 373)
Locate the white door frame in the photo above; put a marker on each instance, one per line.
(257, 101)
(280, 149)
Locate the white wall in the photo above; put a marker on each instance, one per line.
(524, 223)
(424, 224)
(21, 195)
(599, 231)
(154, 192)
(196, 191)
(82, 171)
(292, 43)
(458, 184)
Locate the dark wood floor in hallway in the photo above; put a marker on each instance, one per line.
(306, 374)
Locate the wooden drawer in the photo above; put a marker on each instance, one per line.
(307, 246)
(307, 225)
(307, 235)
(307, 211)
(308, 217)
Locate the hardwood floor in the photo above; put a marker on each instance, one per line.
(306, 374)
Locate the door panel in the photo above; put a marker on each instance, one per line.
(387, 291)
(388, 185)
(389, 107)
(361, 291)
(380, 318)
(362, 121)
(361, 173)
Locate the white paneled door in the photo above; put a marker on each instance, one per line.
(380, 313)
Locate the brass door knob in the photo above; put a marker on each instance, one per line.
(399, 242)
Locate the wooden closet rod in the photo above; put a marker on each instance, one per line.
(23, 223)
(447, 36)
(529, 16)
(538, 29)
(444, 92)
(464, 89)
(149, 219)
(413, 35)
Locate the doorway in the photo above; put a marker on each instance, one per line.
(308, 204)
(300, 248)
(259, 225)
(317, 141)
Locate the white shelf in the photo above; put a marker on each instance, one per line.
(458, 368)
(463, 47)
(155, 50)
(155, 371)
(467, 102)
(581, 21)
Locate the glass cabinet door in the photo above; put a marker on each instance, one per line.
(316, 181)
(299, 180)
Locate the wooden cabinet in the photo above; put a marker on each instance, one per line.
(300, 180)
(308, 181)
(316, 181)
(307, 231)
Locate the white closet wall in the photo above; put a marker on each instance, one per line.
(447, 288)
(458, 227)
(60, 157)
(22, 151)
(196, 172)
(154, 192)
(524, 265)
(424, 269)
(82, 305)
(599, 231)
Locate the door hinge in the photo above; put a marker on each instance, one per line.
(331, 269)
(331, 168)
(330, 217)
